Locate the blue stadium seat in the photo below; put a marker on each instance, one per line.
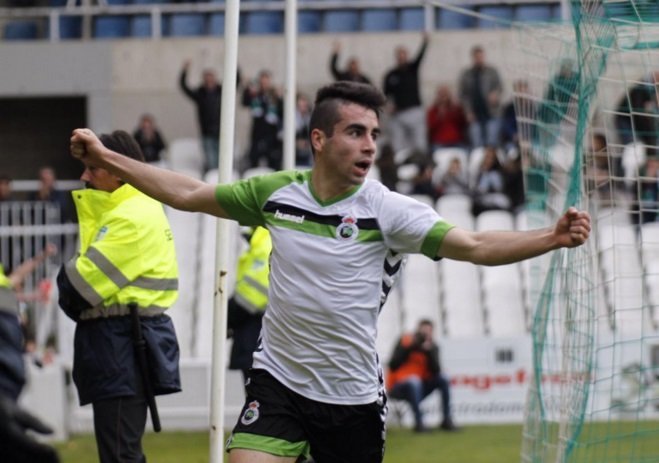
(216, 24)
(264, 22)
(70, 27)
(118, 2)
(557, 12)
(186, 25)
(412, 19)
(140, 26)
(379, 20)
(111, 27)
(341, 21)
(20, 30)
(501, 14)
(308, 21)
(447, 19)
(534, 13)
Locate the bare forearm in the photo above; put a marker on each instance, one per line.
(497, 247)
(172, 188)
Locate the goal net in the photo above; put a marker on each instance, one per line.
(586, 103)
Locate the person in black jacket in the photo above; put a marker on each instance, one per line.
(266, 108)
(208, 99)
(351, 72)
(16, 445)
(407, 125)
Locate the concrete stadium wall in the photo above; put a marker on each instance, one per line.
(124, 78)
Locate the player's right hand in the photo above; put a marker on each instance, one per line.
(85, 145)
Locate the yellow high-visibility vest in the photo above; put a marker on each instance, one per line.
(252, 278)
(126, 253)
(8, 301)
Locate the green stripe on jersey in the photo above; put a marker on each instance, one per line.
(319, 229)
(434, 238)
(243, 200)
(271, 445)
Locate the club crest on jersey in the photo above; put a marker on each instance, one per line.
(347, 230)
(251, 414)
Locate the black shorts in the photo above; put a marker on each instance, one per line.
(280, 422)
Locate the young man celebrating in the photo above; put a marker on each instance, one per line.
(315, 381)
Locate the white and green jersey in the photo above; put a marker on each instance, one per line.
(327, 263)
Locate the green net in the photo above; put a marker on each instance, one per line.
(587, 109)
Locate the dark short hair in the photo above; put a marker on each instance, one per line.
(122, 142)
(325, 112)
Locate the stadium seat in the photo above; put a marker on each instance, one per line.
(341, 21)
(534, 13)
(184, 154)
(500, 16)
(420, 288)
(379, 20)
(20, 30)
(308, 21)
(461, 299)
(621, 271)
(411, 19)
(70, 27)
(634, 156)
(111, 27)
(502, 285)
(442, 157)
(140, 25)
(264, 22)
(186, 25)
(216, 24)
(447, 19)
(456, 209)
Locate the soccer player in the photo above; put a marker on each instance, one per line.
(316, 381)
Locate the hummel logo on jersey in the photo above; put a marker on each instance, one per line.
(289, 217)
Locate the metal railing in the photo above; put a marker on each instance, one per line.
(88, 10)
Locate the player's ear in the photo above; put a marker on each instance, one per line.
(318, 139)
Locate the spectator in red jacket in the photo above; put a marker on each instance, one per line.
(446, 120)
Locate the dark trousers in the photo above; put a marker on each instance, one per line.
(119, 426)
(413, 390)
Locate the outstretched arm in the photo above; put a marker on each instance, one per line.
(19, 274)
(169, 187)
(506, 247)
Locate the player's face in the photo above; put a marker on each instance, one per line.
(100, 179)
(350, 151)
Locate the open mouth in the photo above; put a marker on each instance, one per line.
(363, 165)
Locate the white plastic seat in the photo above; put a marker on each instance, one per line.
(420, 288)
(456, 209)
(622, 277)
(461, 299)
(633, 157)
(502, 285)
(442, 158)
(185, 154)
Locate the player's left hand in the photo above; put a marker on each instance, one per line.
(573, 229)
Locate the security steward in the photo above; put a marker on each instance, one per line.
(16, 445)
(250, 298)
(126, 256)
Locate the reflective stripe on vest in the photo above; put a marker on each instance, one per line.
(118, 311)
